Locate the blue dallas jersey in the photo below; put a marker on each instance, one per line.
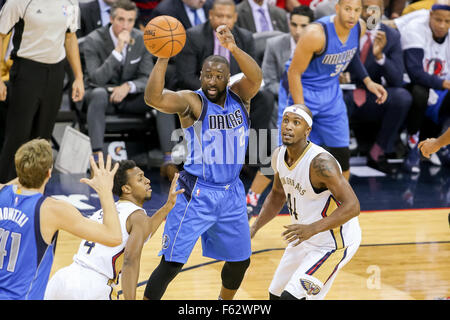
(25, 259)
(324, 69)
(217, 141)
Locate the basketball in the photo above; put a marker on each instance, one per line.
(164, 36)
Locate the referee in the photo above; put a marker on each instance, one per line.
(44, 35)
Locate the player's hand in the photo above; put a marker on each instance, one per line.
(77, 90)
(225, 37)
(378, 90)
(173, 193)
(297, 232)
(103, 176)
(3, 91)
(429, 146)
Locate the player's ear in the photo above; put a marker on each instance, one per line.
(126, 189)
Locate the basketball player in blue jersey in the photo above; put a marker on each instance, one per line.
(215, 123)
(29, 221)
(324, 50)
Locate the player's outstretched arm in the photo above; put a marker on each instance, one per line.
(272, 205)
(247, 87)
(325, 173)
(60, 215)
(165, 100)
(312, 41)
(274, 201)
(432, 145)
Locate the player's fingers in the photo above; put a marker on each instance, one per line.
(101, 163)
(108, 163)
(114, 169)
(179, 191)
(94, 167)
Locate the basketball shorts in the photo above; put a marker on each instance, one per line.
(216, 213)
(330, 121)
(307, 271)
(76, 282)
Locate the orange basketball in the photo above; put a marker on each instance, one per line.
(164, 36)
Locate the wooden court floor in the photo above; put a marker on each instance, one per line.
(404, 255)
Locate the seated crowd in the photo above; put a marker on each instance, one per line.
(408, 55)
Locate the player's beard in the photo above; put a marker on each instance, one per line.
(215, 98)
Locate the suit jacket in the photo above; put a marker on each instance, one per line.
(90, 18)
(199, 46)
(246, 20)
(274, 61)
(393, 68)
(102, 67)
(175, 8)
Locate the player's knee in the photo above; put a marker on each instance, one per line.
(342, 156)
(233, 273)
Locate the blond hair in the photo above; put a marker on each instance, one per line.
(33, 160)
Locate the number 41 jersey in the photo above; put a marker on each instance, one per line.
(307, 205)
(25, 259)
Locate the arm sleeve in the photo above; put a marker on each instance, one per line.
(414, 67)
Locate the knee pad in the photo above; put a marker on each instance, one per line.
(233, 273)
(342, 156)
(160, 279)
(287, 296)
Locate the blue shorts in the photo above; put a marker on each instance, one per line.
(330, 121)
(217, 213)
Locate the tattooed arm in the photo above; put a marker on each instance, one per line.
(325, 174)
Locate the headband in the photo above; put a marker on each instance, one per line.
(440, 7)
(300, 112)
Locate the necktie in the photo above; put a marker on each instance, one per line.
(196, 18)
(262, 20)
(359, 94)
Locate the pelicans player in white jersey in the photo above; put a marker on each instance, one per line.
(325, 233)
(95, 270)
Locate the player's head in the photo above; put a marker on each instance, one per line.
(372, 10)
(348, 13)
(223, 12)
(299, 18)
(130, 182)
(214, 77)
(440, 18)
(34, 163)
(123, 16)
(295, 124)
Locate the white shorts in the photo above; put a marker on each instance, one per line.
(308, 272)
(76, 282)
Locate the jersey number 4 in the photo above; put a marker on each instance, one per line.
(292, 206)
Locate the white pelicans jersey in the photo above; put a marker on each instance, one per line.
(106, 260)
(307, 206)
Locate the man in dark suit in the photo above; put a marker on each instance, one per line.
(260, 16)
(189, 12)
(93, 15)
(381, 54)
(118, 66)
